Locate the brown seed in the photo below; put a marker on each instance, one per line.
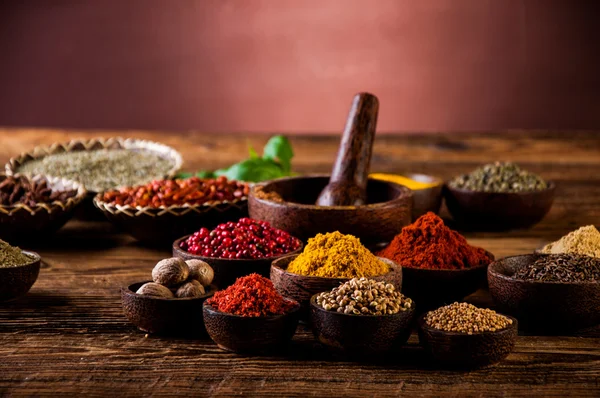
(170, 271)
(155, 290)
(190, 289)
(201, 271)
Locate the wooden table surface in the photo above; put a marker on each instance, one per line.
(69, 335)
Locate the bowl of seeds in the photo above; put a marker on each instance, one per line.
(548, 292)
(362, 317)
(19, 270)
(461, 335)
(498, 196)
(164, 210)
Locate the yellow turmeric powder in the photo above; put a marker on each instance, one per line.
(335, 255)
(402, 180)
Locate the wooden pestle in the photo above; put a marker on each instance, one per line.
(348, 183)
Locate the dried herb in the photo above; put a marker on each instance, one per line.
(561, 268)
(21, 189)
(11, 256)
(499, 177)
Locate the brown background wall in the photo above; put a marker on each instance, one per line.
(293, 65)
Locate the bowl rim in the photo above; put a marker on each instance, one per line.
(550, 189)
(405, 194)
(313, 304)
(127, 290)
(430, 329)
(206, 307)
(35, 260)
(431, 179)
(459, 270)
(176, 248)
(492, 271)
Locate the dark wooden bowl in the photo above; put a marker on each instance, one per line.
(301, 287)
(227, 270)
(463, 350)
(177, 316)
(428, 199)
(162, 225)
(431, 288)
(16, 281)
(250, 334)
(360, 335)
(496, 210)
(543, 306)
(389, 209)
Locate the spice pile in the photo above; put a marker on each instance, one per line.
(246, 239)
(585, 240)
(466, 318)
(364, 297)
(335, 255)
(175, 278)
(191, 191)
(429, 243)
(407, 182)
(271, 195)
(21, 189)
(561, 268)
(252, 296)
(102, 169)
(499, 177)
(11, 256)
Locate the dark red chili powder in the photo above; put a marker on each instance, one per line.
(429, 243)
(251, 295)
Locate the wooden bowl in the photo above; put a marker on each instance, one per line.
(23, 223)
(250, 334)
(548, 306)
(177, 316)
(227, 270)
(389, 209)
(360, 335)
(301, 287)
(428, 199)
(16, 281)
(464, 350)
(498, 210)
(163, 224)
(431, 288)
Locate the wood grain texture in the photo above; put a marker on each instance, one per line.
(68, 335)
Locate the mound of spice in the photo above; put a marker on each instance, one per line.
(191, 191)
(335, 255)
(246, 239)
(252, 296)
(561, 268)
(402, 180)
(11, 256)
(176, 278)
(466, 318)
(429, 243)
(270, 195)
(102, 169)
(364, 297)
(21, 189)
(499, 177)
(585, 240)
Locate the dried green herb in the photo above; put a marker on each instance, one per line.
(499, 177)
(561, 268)
(11, 256)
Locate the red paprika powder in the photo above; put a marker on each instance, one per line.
(429, 243)
(251, 295)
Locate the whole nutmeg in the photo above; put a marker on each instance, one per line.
(155, 290)
(201, 271)
(170, 271)
(190, 289)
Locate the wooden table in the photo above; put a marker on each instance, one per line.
(68, 335)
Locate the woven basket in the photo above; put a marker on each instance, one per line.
(21, 222)
(165, 224)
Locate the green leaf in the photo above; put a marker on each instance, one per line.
(205, 174)
(183, 175)
(278, 148)
(253, 170)
(252, 152)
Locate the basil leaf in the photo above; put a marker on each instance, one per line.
(183, 175)
(253, 170)
(279, 148)
(252, 152)
(205, 174)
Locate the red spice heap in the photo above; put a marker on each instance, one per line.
(428, 243)
(251, 295)
(246, 239)
(192, 191)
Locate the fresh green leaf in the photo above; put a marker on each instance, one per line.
(253, 170)
(183, 175)
(205, 174)
(278, 148)
(253, 154)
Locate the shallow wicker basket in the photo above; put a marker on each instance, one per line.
(165, 224)
(21, 222)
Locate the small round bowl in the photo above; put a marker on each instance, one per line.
(16, 281)
(498, 210)
(543, 306)
(227, 270)
(163, 224)
(177, 316)
(301, 287)
(463, 350)
(24, 223)
(360, 335)
(250, 335)
(389, 209)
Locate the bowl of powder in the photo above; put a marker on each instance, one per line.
(18, 271)
(585, 240)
